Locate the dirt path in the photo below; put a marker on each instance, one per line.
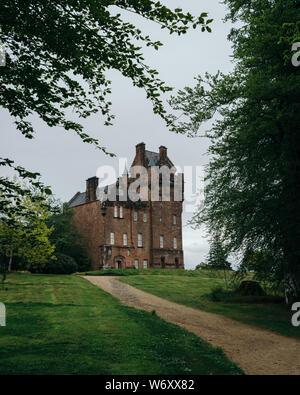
(256, 351)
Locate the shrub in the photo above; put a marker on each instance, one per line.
(218, 294)
(256, 299)
(250, 288)
(64, 264)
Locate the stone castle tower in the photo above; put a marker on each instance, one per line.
(144, 232)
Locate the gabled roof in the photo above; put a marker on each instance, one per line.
(77, 200)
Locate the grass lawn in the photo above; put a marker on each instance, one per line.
(65, 325)
(193, 290)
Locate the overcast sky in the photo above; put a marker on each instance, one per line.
(65, 162)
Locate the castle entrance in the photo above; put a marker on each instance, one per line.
(119, 262)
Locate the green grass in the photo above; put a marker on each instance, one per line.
(65, 325)
(194, 291)
(153, 272)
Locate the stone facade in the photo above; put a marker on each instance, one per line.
(127, 234)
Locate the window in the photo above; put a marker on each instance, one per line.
(116, 211)
(174, 219)
(112, 238)
(145, 217)
(175, 243)
(140, 240)
(135, 216)
(125, 239)
(145, 264)
(161, 242)
(136, 263)
(121, 212)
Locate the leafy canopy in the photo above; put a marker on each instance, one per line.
(57, 54)
(253, 178)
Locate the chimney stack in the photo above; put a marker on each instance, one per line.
(141, 153)
(140, 148)
(163, 152)
(91, 189)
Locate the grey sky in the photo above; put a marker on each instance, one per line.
(65, 162)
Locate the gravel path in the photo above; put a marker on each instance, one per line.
(254, 350)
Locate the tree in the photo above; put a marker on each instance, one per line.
(27, 237)
(202, 266)
(217, 256)
(57, 53)
(263, 266)
(253, 179)
(12, 191)
(66, 239)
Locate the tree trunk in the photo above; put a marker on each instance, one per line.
(292, 288)
(10, 260)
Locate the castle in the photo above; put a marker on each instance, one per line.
(133, 230)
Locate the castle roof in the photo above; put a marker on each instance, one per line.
(153, 157)
(77, 200)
